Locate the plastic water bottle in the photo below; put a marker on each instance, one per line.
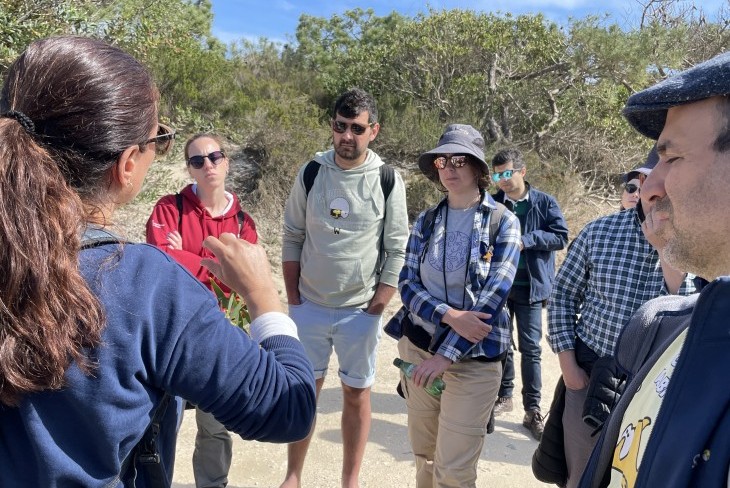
(436, 388)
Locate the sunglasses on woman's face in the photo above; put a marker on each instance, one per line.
(631, 188)
(163, 139)
(197, 162)
(456, 161)
(341, 127)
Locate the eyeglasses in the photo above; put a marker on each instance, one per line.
(631, 188)
(506, 175)
(357, 129)
(456, 161)
(163, 139)
(197, 162)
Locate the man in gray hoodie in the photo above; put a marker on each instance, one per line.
(345, 232)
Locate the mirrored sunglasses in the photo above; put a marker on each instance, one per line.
(163, 140)
(456, 161)
(197, 162)
(341, 127)
(631, 188)
(506, 175)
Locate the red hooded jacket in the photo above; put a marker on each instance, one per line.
(197, 224)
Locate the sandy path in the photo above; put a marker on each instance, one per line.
(505, 459)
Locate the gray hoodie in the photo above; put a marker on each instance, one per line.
(335, 233)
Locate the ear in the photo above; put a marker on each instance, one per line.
(374, 131)
(125, 166)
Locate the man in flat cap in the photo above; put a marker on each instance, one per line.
(610, 271)
(671, 427)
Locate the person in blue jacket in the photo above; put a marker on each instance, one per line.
(544, 231)
(672, 424)
(96, 333)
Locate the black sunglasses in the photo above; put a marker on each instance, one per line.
(631, 188)
(163, 139)
(357, 129)
(197, 162)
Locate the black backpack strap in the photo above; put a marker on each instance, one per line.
(145, 453)
(97, 236)
(144, 459)
(387, 180)
(179, 204)
(496, 217)
(241, 218)
(310, 173)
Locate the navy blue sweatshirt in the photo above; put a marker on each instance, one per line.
(164, 333)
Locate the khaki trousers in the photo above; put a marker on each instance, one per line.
(447, 433)
(577, 435)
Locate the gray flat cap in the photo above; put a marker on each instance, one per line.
(646, 110)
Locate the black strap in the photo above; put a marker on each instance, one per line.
(144, 459)
(179, 203)
(310, 174)
(94, 236)
(387, 182)
(387, 178)
(430, 217)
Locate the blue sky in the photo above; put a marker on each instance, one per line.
(277, 19)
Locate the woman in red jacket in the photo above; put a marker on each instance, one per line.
(180, 222)
(178, 225)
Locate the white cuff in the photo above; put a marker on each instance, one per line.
(271, 324)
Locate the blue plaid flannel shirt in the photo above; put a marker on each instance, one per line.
(489, 280)
(609, 272)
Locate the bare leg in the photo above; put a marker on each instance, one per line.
(355, 430)
(297, 451)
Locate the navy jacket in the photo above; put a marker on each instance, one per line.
(164, 333)
(689, 444)
(545, 232)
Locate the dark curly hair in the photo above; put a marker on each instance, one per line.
(354, 102)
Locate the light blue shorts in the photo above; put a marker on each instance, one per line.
(352, 332)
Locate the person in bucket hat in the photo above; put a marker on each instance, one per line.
(660, 432)
(461, 259)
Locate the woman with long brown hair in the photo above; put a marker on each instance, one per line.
(96, 333)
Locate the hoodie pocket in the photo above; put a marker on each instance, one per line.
(328, 274)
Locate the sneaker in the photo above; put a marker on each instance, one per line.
(502, 405)
(535, 422)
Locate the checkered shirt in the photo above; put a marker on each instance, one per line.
(609, 272)
(489, 281)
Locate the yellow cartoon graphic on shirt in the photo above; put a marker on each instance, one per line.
(626, 454)
(339, 208)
